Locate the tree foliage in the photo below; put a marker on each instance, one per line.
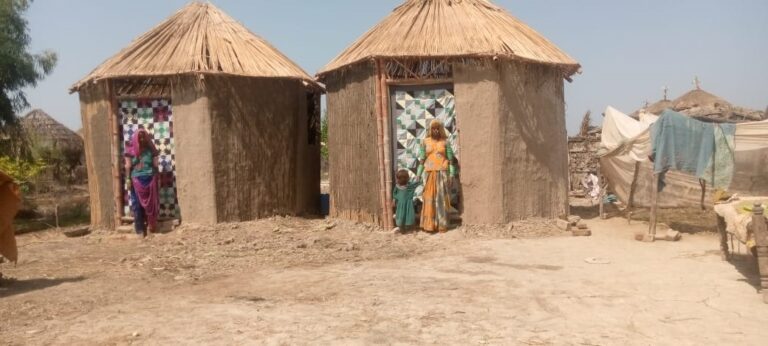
(324, 135)
(21, 171)
(61, 162)
(19, 68)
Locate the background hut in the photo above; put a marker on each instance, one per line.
(235, 120)
(57, 145)
(707, 107)
(496, 83)
(44, 130)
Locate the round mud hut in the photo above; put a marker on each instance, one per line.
(236, 122)
(44, 130)
(705, 106)
(495, 83)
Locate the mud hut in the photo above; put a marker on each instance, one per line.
(235, 120)
(60, 147)
(705, 106)
(495, 82)
(44, 130)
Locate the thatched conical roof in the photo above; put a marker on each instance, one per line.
(453, 28)
(654, 108)
(44, 130)
(706, 106)
(198, 39)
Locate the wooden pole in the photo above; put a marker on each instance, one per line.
(632, 190)
(115, 151)
(721, 230)
(380, 146)
(760, 231)
(387, 129)
(601, 200)
(654, 208)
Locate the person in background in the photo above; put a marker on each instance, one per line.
(405, 213)
(141, 171)
(436, 157)
(591, 184)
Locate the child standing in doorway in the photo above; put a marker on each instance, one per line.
(404, 191)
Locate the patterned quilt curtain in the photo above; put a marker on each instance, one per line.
(414, 109)
(156, 116)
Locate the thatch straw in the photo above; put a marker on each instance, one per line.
(42, 129)
(705, 106)
(452, 28)
(198, 39)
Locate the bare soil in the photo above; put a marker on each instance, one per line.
(297, 281)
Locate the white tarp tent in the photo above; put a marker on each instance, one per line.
(626, 145)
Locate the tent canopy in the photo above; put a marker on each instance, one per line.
(626, 145)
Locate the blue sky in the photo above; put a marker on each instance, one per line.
(629, 50)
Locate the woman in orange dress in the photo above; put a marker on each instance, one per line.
(436, 158)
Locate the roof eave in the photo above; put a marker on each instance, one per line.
(569, 69)
(95, 79)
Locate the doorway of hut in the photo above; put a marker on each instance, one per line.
(155, 115)
(413, 108)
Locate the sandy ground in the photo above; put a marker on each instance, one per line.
(292, 281)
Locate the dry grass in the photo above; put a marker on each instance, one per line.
(705, 106)
(198, 39)
(40, 126)
(453, 28)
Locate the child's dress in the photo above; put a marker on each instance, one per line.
(405, 215)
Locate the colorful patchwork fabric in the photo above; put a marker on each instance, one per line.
(414, 111)
(156, 116)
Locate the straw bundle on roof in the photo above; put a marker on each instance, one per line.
(705, 106)
(453, 28)
(198, 39)
(42, 129)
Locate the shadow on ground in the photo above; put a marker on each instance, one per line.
(10, 287)
(747, 266)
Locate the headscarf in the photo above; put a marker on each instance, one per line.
(134, 148)
(437, 124)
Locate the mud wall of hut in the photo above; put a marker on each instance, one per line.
(513, 142)
(195, 184)
(95, 111)
(354, 167)
(534, 151)
(257, 141)
(477, 107)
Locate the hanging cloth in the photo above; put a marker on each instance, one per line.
(704, 150)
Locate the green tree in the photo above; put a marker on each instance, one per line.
(324, 135)
(19, 68)
(22, 171)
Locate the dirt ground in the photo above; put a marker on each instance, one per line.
(294, 281)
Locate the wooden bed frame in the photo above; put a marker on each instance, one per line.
(760, 230)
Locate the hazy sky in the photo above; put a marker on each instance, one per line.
(629, 50)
